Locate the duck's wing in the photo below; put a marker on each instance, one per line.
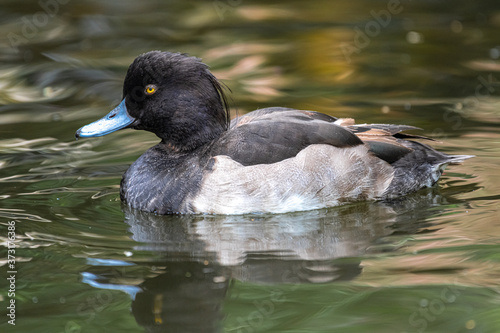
(273, 134)
(383, 140)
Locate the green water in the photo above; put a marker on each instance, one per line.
(83, 263)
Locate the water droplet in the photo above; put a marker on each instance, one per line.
(495, 53)
(414, 37)
(470, 324)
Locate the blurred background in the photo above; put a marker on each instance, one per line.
(426, 263)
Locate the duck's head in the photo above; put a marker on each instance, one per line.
(172, 95)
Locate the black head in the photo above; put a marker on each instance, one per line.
(172, 95)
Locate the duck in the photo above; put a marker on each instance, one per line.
(271, 160)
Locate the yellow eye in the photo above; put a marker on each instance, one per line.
(150, 89)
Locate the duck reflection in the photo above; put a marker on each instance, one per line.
(186, 297)
(197, 257)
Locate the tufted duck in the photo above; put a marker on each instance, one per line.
(272, 160)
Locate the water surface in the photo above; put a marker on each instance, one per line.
(426, 263)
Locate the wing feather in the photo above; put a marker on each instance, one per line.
(271, 135)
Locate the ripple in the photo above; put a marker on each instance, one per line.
(49, 159)
(20, 214)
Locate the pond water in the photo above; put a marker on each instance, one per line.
(428, 262)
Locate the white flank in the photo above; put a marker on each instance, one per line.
(319, 176)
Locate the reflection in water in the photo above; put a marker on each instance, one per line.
(187, 297)
(195, 258)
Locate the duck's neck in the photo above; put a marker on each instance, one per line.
(192, 135)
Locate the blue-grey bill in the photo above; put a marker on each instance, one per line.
(117, 119)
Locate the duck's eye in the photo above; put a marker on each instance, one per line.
(150, 89)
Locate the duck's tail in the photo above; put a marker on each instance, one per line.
(421, 168)
(457, 159)
(416, 165)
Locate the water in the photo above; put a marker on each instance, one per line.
(83, 263)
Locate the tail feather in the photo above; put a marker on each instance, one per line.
(457, 159)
